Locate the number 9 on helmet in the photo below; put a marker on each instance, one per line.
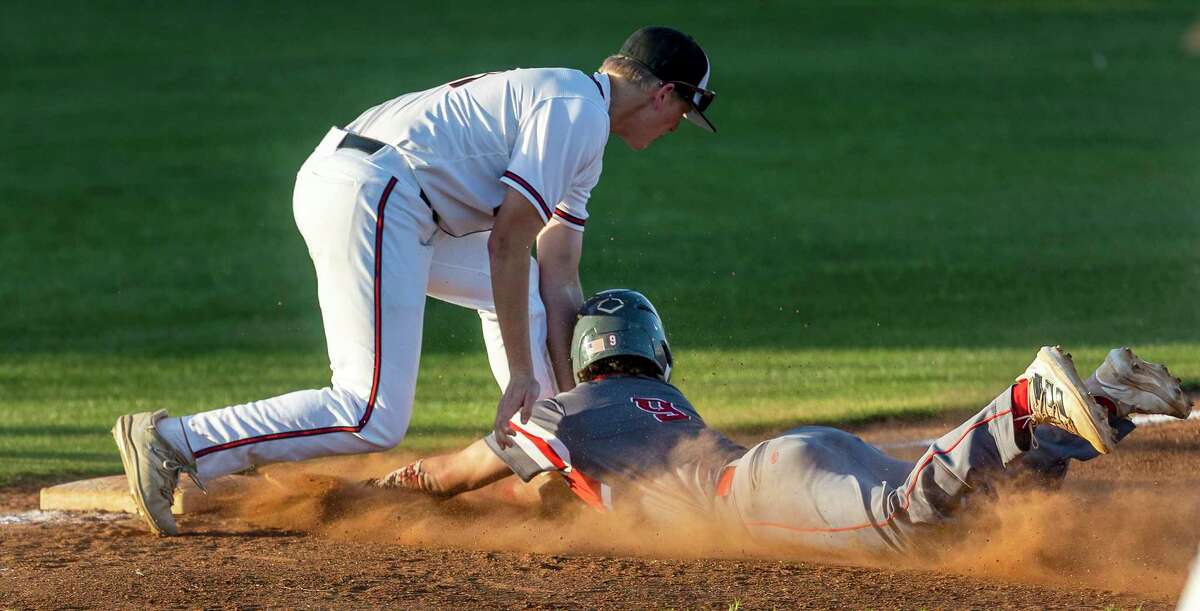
(620, 323)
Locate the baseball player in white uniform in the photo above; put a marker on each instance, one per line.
(441, 192)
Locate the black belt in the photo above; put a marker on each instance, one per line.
(371, 146)
(367, 145)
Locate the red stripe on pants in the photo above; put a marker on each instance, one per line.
(378, 290)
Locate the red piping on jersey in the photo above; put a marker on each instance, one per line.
(528, 187)
(587, 489)
(362, 422)
(597, 85)
(907, 493)
(570, 218)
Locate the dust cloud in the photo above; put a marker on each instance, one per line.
(1108, 535)
(1140, 540)
(327, 498)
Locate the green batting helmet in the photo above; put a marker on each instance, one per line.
(619, 322)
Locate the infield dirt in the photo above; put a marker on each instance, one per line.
(1119, 533)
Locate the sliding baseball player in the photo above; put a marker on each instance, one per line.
(626, 438)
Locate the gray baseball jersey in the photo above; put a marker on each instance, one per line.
(815, 487)
(634, 434)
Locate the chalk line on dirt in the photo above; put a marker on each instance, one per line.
(37, 516)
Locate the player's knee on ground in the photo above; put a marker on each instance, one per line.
(384, 421)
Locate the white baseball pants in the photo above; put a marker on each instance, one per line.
(377, 253)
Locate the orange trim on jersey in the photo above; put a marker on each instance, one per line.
(542, 446)
(586, 488)
(725, 481)
(907, 493)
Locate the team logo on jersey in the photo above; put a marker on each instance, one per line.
(610, 305)
(661, 409)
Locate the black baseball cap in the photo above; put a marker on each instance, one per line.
(675, 58)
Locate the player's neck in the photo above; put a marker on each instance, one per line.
(627, 99)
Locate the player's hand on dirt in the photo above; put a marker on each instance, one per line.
(520, 396)
(410, 479)
(407, 477)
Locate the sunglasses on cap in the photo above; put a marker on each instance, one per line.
(700, 98)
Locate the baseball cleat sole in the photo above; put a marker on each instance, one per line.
(1058, 397)
(1138, 386)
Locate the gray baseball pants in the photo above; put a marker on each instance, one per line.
(822, 488)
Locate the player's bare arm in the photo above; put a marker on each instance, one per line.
(476, 471)
(517, 224)
(558, 252)
(447, 475)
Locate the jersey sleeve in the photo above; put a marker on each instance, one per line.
(557, 156)
(572, 210)
(536, 447)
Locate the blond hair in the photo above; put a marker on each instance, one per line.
(631, 71)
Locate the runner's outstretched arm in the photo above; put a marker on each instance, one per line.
(470, 468)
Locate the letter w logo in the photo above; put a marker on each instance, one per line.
(661, 409)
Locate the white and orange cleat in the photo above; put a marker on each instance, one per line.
(1058, 397)
(1138, 387)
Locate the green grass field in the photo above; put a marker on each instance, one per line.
(902, 204)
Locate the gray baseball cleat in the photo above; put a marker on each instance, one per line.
(1057, 396)
(152, 468)
(1138, 387)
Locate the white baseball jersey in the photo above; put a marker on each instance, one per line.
(540, 131)
(379, 250)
